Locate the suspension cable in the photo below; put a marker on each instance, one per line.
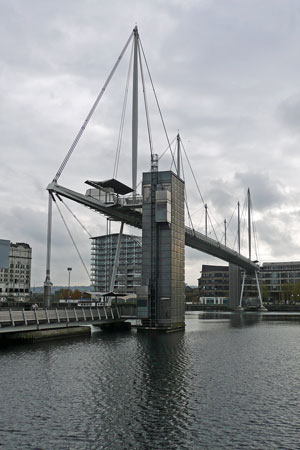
(69, 232)
(156, 99)
(118, 151)
(192, 173)
(254, 233)
(185, 197)
(145, 100)
(83, 127)
(198, 188)
(229, 222)
(75, 217)
(243, 221)
(168, 148)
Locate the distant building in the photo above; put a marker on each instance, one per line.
(214, 281)
(277, 279)
(102, 260)
(15, 270)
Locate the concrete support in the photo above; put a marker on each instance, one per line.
(234, 286)
(161, 298)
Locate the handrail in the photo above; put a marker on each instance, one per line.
(15, 318)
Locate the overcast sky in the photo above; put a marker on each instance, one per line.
(226, 73)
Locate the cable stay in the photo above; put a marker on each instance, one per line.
(75, 217)
(91, 112)
(157, 103)
(118, 151)
(186, 199)
(191, 169)
(253, 227)
(72, 239)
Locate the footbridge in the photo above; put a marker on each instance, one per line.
(129, 211)
(159, 213)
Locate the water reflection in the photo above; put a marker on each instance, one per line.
(235, 319)
(163, 388)
(238, 320)
(219, 385)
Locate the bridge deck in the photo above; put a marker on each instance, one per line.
(133, 217)
(12, 321)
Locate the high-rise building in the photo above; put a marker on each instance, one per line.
(15, 270)
(128, 275)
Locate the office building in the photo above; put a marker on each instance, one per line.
(278, 280)
(214, 282)
(15, 270)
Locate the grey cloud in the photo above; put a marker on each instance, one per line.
(289, 112)
(221, 72)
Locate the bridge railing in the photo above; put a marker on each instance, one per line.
(51, 316)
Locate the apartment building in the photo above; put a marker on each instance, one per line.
(130, 262)
(278, 279)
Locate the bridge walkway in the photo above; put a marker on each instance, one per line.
(125, 212)
(12, 321)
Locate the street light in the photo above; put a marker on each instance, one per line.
(69, 271)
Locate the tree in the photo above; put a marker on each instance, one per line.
(265, 292)
(296, 292)
(287, 290)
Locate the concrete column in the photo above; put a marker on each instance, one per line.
(234, 286)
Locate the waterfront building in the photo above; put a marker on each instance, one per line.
(213, 284)
(128, 275)
(15, 270)
(214, 300)
(278, 280)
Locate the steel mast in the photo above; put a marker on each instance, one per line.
(249, 222)
(135, 110)
(178, 155)
(47, 283)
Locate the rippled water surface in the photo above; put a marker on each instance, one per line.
(226, 383)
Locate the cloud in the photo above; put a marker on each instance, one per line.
(226, 76)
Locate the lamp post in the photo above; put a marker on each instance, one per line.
(69, 271)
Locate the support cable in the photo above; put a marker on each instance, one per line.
(164, 152)
(158, 106)
(69, 232)
(198, 189)
(243, 221)
(229, 222)
(83, 127)
(117, 157)
(254, 234)
(145, 100)
(75, 217)
(185, 197)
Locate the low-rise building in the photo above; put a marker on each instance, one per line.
(278, 280)
(214, 282)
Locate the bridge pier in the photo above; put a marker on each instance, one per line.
(161, 298)
(234, 286)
